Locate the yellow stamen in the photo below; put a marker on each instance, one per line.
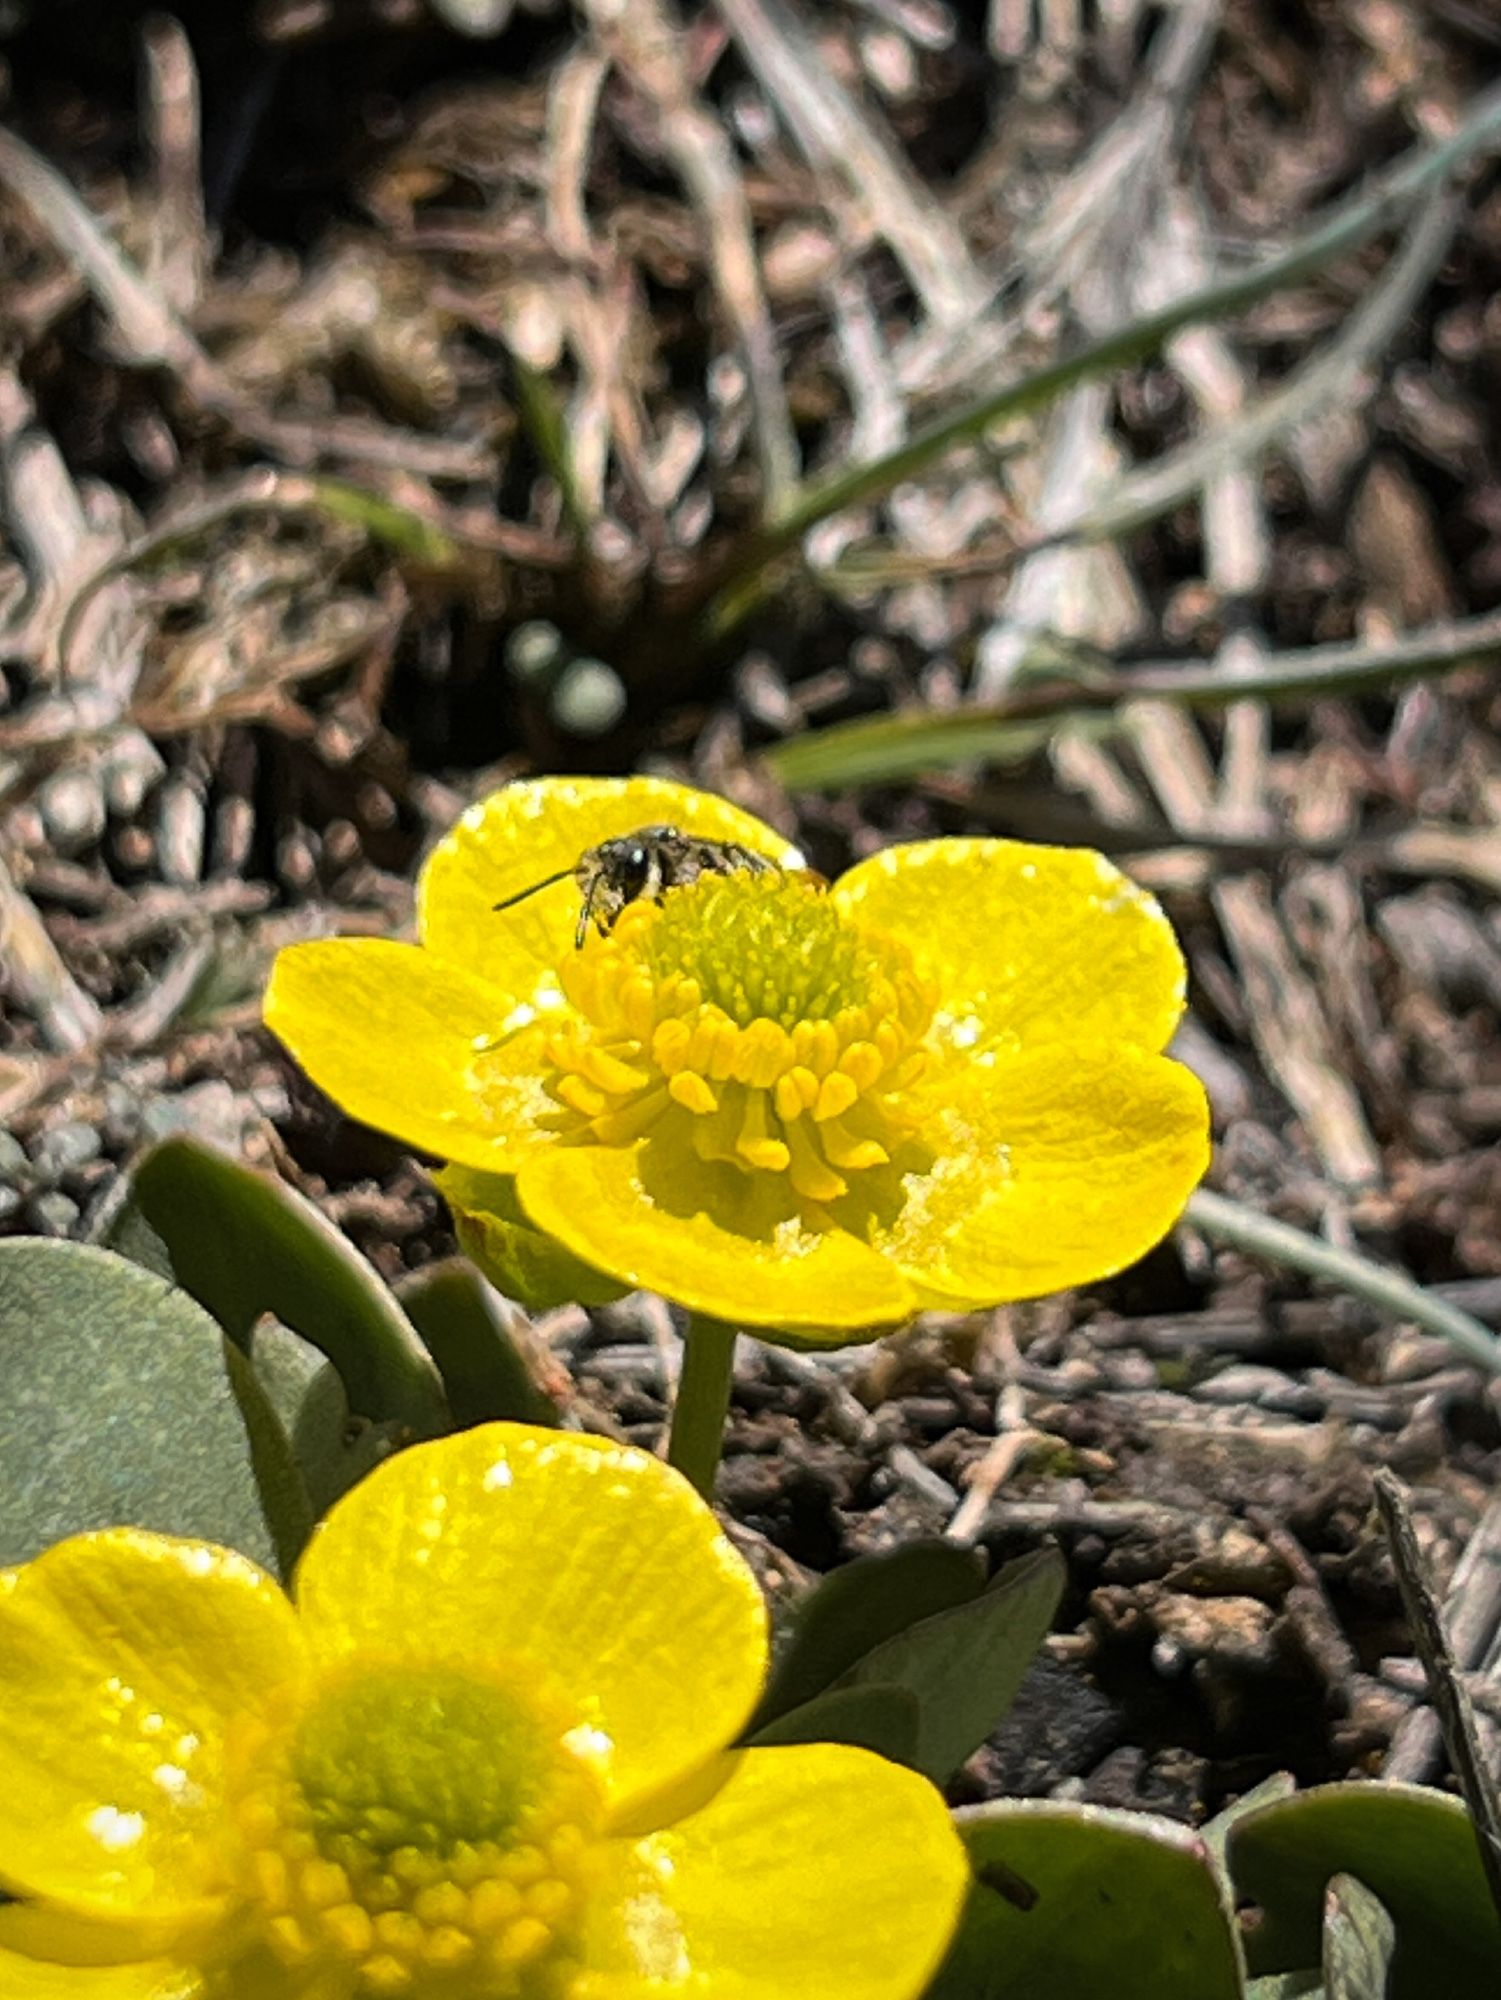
(847, 1152)
(689, 1089)
(755, 1144)
(582, 1097)
(745, 1017)
(836, 1094)
(811, 1174)
(611, 1074)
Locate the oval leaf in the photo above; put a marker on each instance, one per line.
(124, 1406)
(331, 1448)
(1413, 1848)
(1087, 1900)
(883, 1719)
(855, 1608)
(485, 1367)
(965, 1665)
(1359, 1938)
(245, 1244)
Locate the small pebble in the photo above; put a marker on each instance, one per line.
(10, 1203)
(14, 1165)
(65, 1149)
(589, 699)
(210, 1109)
(122, 1112)
(534, 650)
(72, 805)
(52, 1214)
(132, 767)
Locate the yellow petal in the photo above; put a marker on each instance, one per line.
(721, 1241)
(524, 833)
(589, 1560)
(124, 1658)
(1025, 944)
(412, 1047)
(250, 1973)
(1052, 1169)
(818, 1870)
(519, 1259)
(33, 1979)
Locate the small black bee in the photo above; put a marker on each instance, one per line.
(647, 863)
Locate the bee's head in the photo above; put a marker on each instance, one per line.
(626, 864)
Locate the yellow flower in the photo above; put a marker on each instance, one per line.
(482, 1759)
(937, 1083)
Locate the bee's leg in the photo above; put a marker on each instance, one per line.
(586, 911)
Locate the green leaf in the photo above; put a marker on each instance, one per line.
(883, 1719)
(485, 1371)
(1412, 1848)
(1087, 1901)
(245, 1244)
(886, 748)
(965, 1665)
(854, 1609)
(1215, 1833)
(1370, 210)
(332, 1449)
(124, 1406)
(1359, 1938)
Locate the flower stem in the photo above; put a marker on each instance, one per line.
(703, 1401)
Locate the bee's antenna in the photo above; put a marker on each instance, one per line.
(521, 895)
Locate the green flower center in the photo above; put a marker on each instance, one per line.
(421, 1831)
(778, 1035)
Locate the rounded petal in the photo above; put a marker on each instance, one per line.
(719, 1241)
(413, 1047)
(124, 1659)
(1051, 1170)
(1026, 944)
(816, 1870)
(526, 832)
(155, 1979)
(520, 1260)
(591, 1561)
(251, 1973)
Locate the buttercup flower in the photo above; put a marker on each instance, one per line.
(481, 1759)
(938, 1082)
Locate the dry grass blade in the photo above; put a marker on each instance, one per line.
(1329, 377)
(1472, 1619)
(1354, 222)
(37, 979)
(842, 143)
(1446, 1691)
(153, 337)
(648, 43)
(179, 255)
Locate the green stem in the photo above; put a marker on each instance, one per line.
(703, 1401)
(1261, 1236)
(884, 749)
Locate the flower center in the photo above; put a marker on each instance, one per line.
(418, 1831)
(749, 1008)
